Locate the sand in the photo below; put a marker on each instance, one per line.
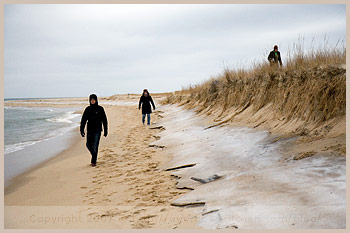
(263, 177)
(127, 189)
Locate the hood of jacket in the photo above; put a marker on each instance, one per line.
(93, 96)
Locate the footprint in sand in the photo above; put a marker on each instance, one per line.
(93, 193)
(147, 217)
(103, 182)
(146, 199)
(142, 204)
(137, 212)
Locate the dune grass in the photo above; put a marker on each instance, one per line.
(311, 86)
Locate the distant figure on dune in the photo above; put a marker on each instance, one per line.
(145, 100)
(95, 116)
(275, 57)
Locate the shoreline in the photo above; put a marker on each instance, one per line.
(127, 182)
(57, 157)
(24, 158)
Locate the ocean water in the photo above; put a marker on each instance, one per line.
(35, 134)
(27, 126)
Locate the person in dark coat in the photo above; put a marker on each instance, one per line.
(95, 117)
(275, 57)
(146, 101)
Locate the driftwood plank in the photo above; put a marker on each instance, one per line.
(179, 167)
(152, 145)
(189, 204)
(158, 127)
(207, 180)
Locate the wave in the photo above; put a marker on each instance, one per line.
(22, 145)
(63, 124)
(66, 118)
(19, 108)
(18, 146)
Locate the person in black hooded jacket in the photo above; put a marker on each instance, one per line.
(145, 100)
(95, 116)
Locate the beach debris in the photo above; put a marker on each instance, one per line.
(175, 176)
(179, 167)
(158, 127)
(158, 111)
(189, 204)
(184, 187)
(209, 212)
(207, 180)
(156, 146)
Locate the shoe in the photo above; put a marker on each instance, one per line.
(93, 164)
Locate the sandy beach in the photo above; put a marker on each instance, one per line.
(127, 188)
(180, 174)
(248, 130)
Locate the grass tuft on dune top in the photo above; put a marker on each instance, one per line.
(309, 88)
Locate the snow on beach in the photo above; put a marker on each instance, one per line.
(241, 180)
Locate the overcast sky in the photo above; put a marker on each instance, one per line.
(75, 50)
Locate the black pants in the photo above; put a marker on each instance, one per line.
(92, 141)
